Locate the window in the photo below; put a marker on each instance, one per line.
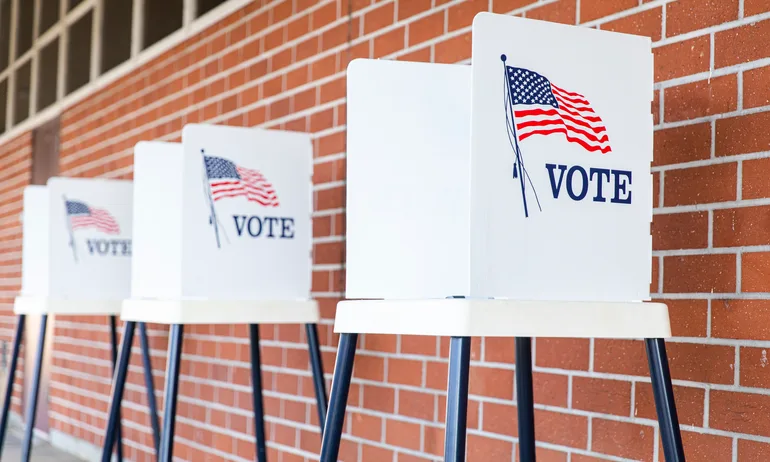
(26, 15)
(47, 74)
(79, 53)
(61, 46)
(161, 18)
(49, 15)
(116, 33)
(3, 99)
(21, 102)
(204, 6)
(5, 32)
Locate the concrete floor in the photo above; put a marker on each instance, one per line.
(41, 452)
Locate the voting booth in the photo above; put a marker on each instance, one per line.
(76, 260)
(509, 198)
(76, 247)
(222, 235)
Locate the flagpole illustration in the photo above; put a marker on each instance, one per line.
(213, 220)
(69, 229)
(518, 165)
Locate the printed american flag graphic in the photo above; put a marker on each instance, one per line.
(227, 179)
(542, 108)
(82, 216)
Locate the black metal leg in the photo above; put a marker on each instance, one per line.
(664, 400)
(11, 378)
(32, 404)
(256, 393)
(525, 403)
(152, 403)
(171, 392)
(114, 341)
(318, 373)
(335, 418)
(118, 386)
(457, 399)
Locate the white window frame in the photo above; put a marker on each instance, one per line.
(190, 26)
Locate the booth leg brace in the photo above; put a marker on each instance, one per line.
(316, 365)
(171, 392)
(457, 399)
(118, 387)
(525, 400)
(114, 341)
(149, 385)
(664, 400)
(335, 417)
(11, 378)
(256, 394)
(29, 421)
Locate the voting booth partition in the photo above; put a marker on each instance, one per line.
(76, 260)
(222, 235)
(525, 179)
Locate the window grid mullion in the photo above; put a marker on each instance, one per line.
(34, 62)
(189, 11)
(96, 42)
(10, 99)
(61, 81)
(35, 20)
(137, 29)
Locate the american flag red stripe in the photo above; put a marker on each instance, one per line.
(575, 118)
(252, 185)
(99, 219)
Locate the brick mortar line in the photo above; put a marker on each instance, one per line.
(496, 436)
(67, 372)
(98, 362)
(711, 162)
(712, 74)
(711, 118)
(764, 296)
(14, 193)
(713, 29)
(76, 341)
(14, 198)
(628, 12)
(711, 251)
(89, 428)
(744, 203)
(11, 228)
(240, 110)
(573, 373)
(18, 168)
(129, 152)
(13, 157)
(137, 131)
(636, 420)
(207, 405)
(248, 436)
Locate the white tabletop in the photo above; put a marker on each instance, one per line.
(49, 305)
(503, 318)
(189, 311)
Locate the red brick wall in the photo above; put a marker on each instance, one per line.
(282, 65)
